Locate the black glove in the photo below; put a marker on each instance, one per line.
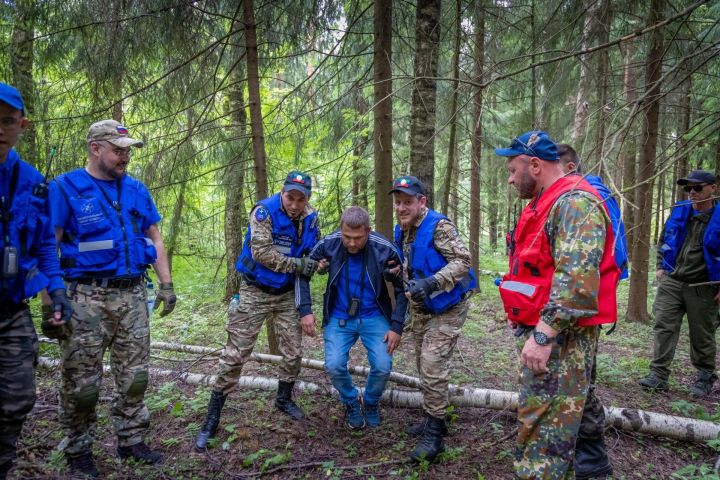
(393, 278)
(166, 295)
(419, 290)
(305, 266)
(58, 332)
(61, 303)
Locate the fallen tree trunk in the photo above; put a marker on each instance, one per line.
(650, 423)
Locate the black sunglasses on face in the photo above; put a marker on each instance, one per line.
(694, 188)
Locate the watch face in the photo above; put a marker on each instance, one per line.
(540, 338)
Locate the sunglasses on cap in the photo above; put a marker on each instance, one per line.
(694, 188)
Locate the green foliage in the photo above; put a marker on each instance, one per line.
(696, 472)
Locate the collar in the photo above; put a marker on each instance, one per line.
(11, 159)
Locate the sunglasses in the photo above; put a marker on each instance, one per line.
(694, 188)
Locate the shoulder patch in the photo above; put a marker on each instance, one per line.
(261, 214)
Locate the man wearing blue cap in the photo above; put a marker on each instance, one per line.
(559, 288)
(29, 265)
(688, 273)
(283, 230)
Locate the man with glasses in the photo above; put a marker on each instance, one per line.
(29, 265)
(688, 271)
(106, 227)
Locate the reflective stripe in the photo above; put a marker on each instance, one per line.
(520, 287)
(283, 250)
(97, 245)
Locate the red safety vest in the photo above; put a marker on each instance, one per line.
(525, 289)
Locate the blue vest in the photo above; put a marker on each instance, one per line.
(285, 240)
(100, 240)
(27, 214)
(676, 231)
(621, 256)
(424, 260)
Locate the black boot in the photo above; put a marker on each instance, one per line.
(5, 469)
(83, 465)
(431, 441)
(591, 460)
(140, 452)
(284, 401)
(217, 400)
(416, 429)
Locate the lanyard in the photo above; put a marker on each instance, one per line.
(346, 273)
(6, 202)
(115, 205)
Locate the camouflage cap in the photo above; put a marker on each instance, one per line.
(114, 132)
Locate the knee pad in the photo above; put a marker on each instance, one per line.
(86, 398)
(139, 383)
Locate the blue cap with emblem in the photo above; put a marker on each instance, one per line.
(535, 144)
(10, 95)
(299, 181)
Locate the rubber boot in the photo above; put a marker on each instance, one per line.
(591, 460)
(431, 441)
(217, 400)
(284, 401)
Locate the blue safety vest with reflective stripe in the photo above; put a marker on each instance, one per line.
(102, 240)
(621, 256)
(27, 217)
(424, 260)
(674, 236)
(285, 241)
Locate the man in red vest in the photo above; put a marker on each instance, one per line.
(559, 288)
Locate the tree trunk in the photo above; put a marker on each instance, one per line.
(453, 109)
(256, 117)
(359, 175)
(454, 199)
(422, 115)
(21, 63)
(605, 20)
(686, 113)
(533, 73)
(382, 118)
(582, 104)
(629, 148)
(476, 140)
(113, 36)
(172, 238)
(234, 177)
(659, 205)
(637, 301)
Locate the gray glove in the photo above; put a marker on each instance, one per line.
(305, 266)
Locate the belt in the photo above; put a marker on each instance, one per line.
(269, 290)
(9, 309)
(121, 283)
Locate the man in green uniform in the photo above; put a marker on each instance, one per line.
(687, 261)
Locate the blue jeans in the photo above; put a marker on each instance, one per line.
(338, 342)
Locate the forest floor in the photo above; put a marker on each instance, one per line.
(255, 440)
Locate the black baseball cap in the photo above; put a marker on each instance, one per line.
(409, 185)
(299, 181)
(698, 176)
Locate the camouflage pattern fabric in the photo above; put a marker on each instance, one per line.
(102, 318)
(18, 356)
(262, 247)
(243, 328)
(551, 406)
(435, 338)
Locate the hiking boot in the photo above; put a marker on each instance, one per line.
(703, 385)
(217, 400)
(372, 415)
(654, 383)
(416, 429)
(354, 415)
(140, 452)
(82, 464)
(431, 441)
(591, 460)
(284, 401)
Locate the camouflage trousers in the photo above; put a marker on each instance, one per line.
(18, 354)
(435, 339)
(105, 318)
(244, 326)
(551, 406)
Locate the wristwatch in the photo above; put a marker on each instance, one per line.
(541, 339)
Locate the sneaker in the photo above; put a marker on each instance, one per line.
(372, 415)
(703, 385)
(140, 452)
(83, 465)
(654, 383)
(354, 415)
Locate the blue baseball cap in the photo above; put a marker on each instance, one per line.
(11, 96)
(535, 144)
(698, 176)
(299, 181)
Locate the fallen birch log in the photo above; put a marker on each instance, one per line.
(649, 423)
